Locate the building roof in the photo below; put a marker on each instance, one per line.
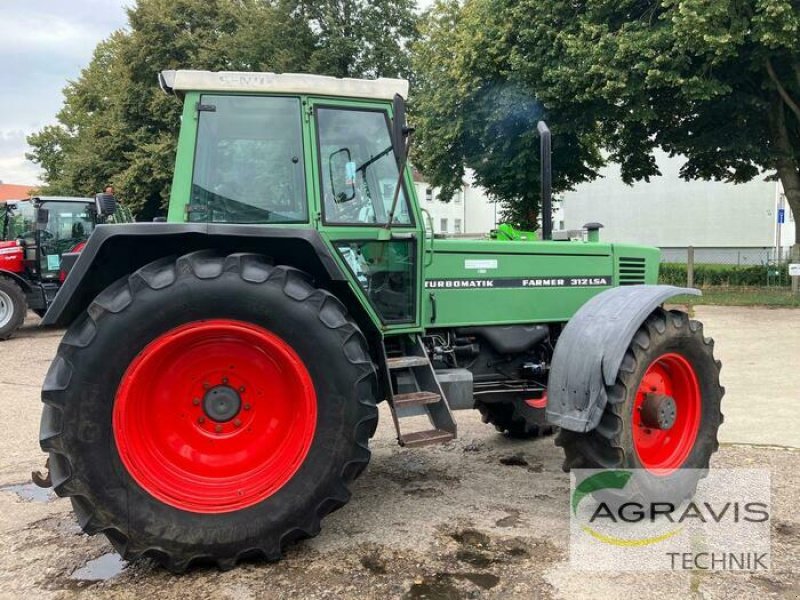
(287, 83)
(10, 191)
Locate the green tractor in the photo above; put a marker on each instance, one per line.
(217, 386)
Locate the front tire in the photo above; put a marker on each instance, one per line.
(209, 408)
(13, 306)
(668, 356)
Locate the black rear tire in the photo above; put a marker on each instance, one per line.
(82, 384)
(515, 418)
(611, 444)
(13, 306)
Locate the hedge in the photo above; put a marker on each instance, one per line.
(707, 275)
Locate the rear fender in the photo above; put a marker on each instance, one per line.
(590, 350)
(114, 251)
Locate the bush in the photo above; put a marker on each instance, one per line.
(709, 275)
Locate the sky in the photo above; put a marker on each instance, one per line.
(43, 44)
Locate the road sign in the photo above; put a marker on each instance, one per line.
(781, 216)
(794, 270)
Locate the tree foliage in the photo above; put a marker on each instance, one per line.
(717, 82)
(116, 126)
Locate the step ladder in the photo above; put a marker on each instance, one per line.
(415, 390)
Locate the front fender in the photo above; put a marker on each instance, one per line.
(590, 350)
(26, 287)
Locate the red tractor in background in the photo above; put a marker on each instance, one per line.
(39, 235)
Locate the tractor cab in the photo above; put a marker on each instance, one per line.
(295, 151)
(38, 237)
(45, 227)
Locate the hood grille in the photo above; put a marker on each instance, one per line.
(631, 270)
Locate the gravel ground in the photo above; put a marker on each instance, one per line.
(482, 516)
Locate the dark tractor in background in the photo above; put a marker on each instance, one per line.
(39, 236)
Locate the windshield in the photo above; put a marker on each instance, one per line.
(358, 167)
(248, 165)
(68, 224)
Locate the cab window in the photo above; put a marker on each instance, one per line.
(358, 168)
(248, 165)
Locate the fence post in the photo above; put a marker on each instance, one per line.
(690, 267)
(795, 257)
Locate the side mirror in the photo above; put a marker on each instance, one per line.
(399, 129)
(342, 171)
(42, 218)
(106, 205)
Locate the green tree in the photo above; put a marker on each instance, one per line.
(117, 126)
(470, 113)
(360, 38)
(717, 82)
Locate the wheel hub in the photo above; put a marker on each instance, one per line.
(666, 413)
(237, 412)
(658, 411)
(221, 403)
(6, 308)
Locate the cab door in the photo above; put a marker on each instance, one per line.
(355, 176)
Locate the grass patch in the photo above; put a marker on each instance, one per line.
(723, 296)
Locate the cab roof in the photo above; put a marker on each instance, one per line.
(62, 199)
(49, 199)
(288, 83)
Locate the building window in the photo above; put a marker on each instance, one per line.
(429, 194)
(457, 226)
(443, 225)
(459, 196)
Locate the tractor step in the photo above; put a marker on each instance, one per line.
(425, 438)
(416, 398)
(415, 391)
(406, 362)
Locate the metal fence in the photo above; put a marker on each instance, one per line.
(724, 256)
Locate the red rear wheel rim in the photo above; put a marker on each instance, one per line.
(214, 416)
(664, 451)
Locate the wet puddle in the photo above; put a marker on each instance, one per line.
(30, 492)
(101, 568)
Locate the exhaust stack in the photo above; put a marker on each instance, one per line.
(546, 180)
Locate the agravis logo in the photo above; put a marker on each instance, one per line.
(635, 520)
(611, 480)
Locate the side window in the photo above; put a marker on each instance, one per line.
(358, 168)
(20, 221)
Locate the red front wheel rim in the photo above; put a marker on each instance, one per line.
(214, 416)
(665, 450)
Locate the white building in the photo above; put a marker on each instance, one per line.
(471, 212)
(724, 222)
